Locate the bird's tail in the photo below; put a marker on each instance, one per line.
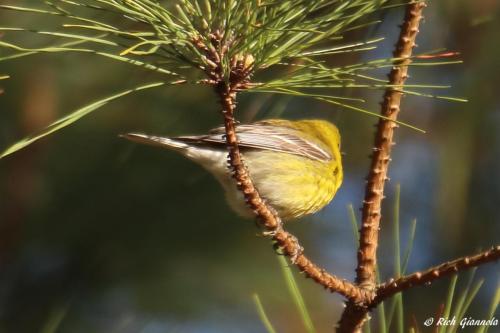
(156, 141)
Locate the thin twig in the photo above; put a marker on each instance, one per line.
(426, 277)
(266, 215)
(226, 91)
(355, 314)
(374, 192)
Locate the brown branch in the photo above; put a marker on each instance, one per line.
(355, 315)
(390, 288)
(226, 91)
(266, 215)
(374, 191)
(329, 281)
(268, 218)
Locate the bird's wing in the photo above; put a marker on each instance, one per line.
(266, 137)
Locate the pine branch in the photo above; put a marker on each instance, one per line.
(426, 277)
(355, 315)
(268, 217)
(382, 149)
(226, 92)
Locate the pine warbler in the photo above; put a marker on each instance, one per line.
(295, 165)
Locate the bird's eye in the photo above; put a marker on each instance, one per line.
(336, 171)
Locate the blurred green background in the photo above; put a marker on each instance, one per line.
(115, 237)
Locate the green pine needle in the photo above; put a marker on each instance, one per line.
(262, 314)
(449, 302)
(294, 290)
(354, 222)
(459, 308)
(74, 116)
(55, 319)
(495, 301)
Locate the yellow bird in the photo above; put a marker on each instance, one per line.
(295, 165)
